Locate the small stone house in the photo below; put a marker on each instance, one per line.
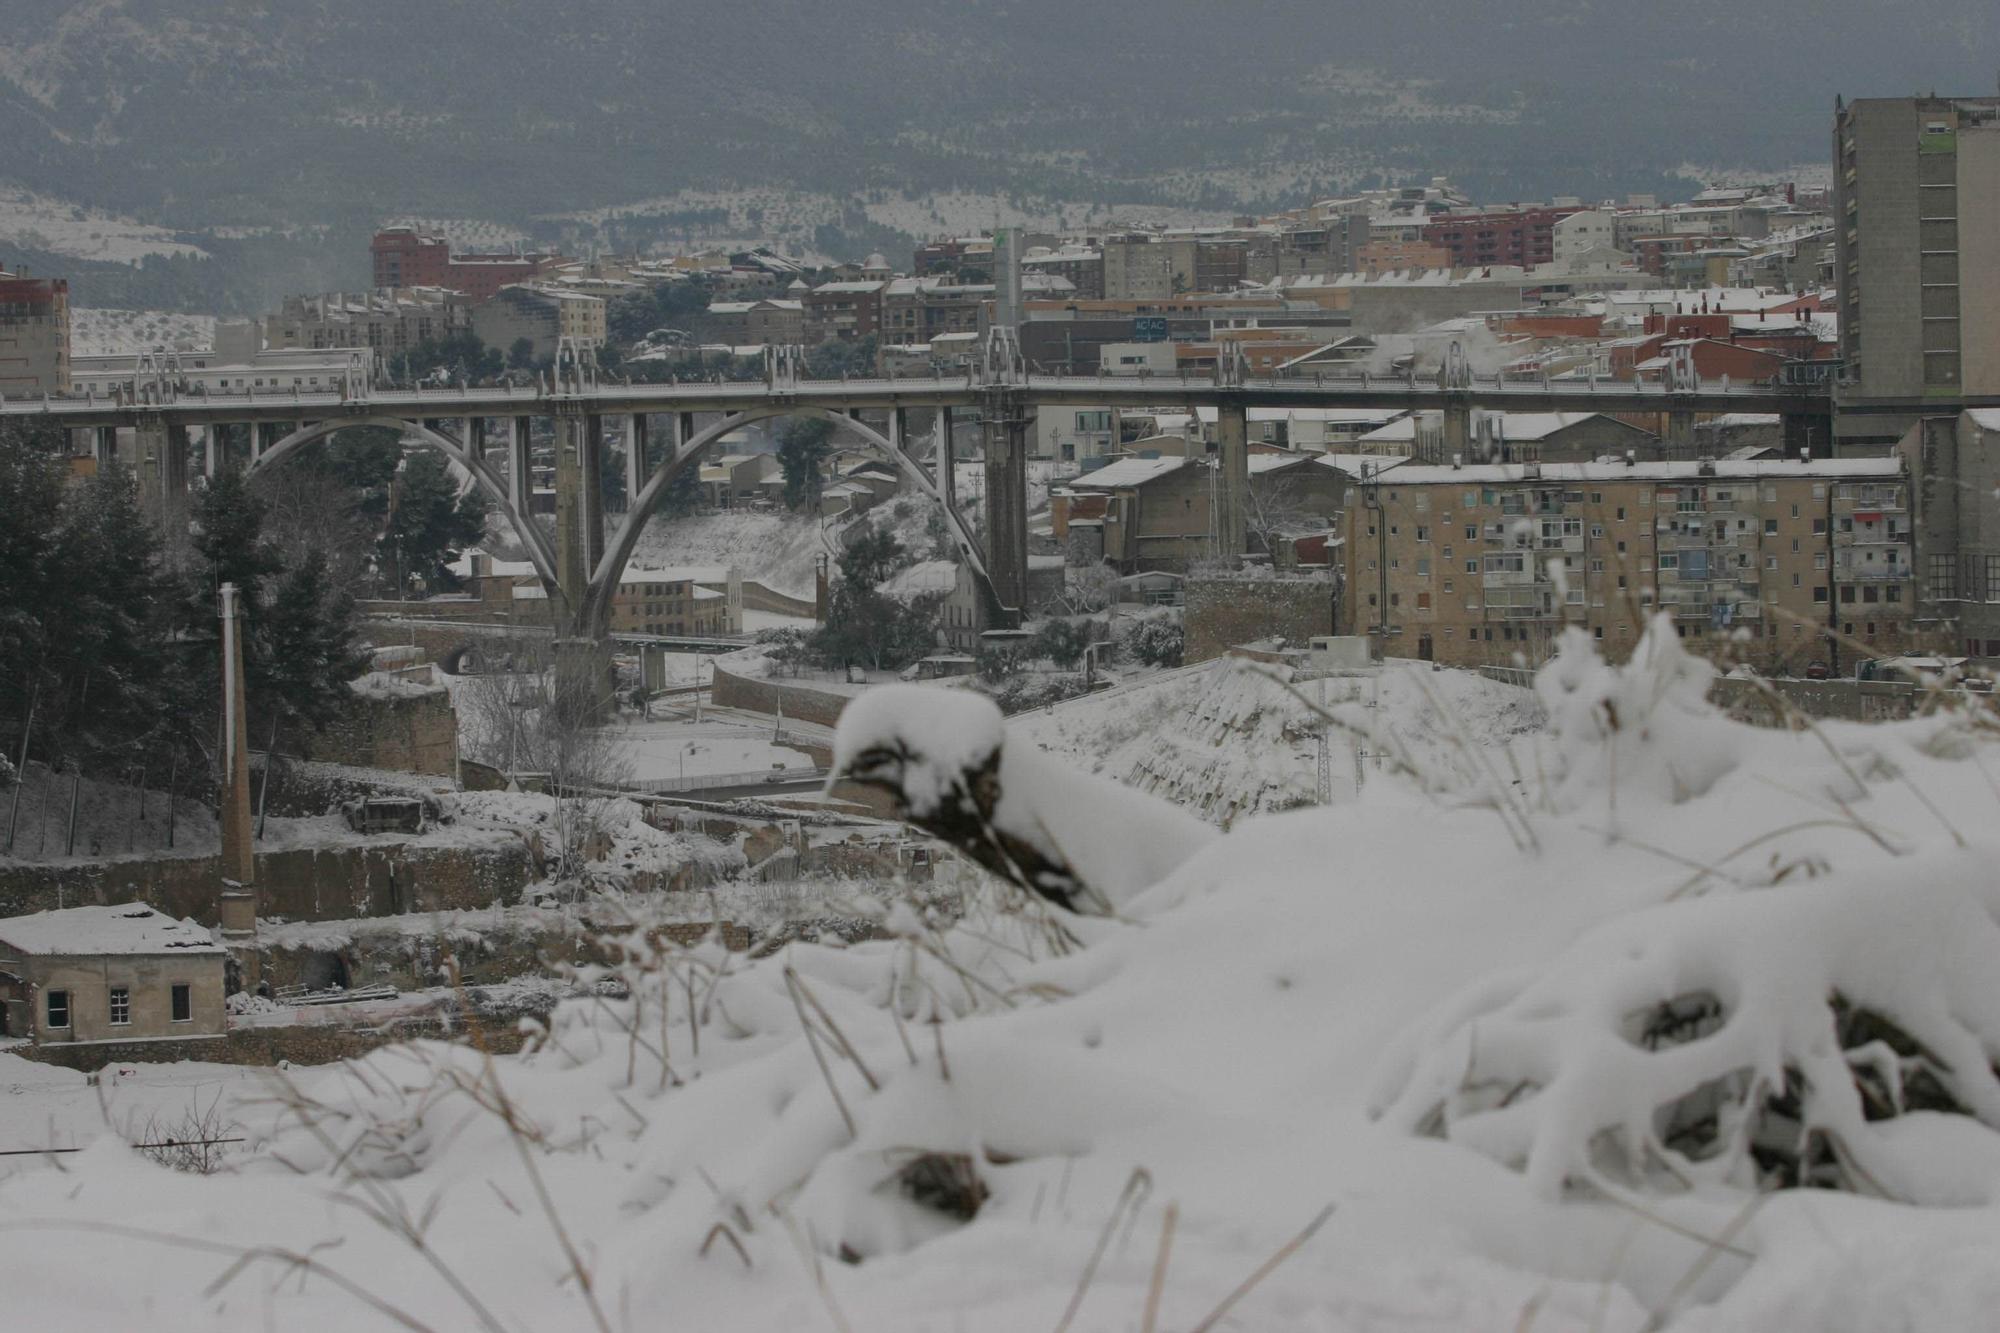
(105, 974)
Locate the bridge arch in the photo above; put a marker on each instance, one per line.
(532, 539)
(594, 622)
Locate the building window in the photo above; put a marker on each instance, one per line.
(58, 1008)
(1943, 579)
(121, 1006)
(183, 1003)
(1819, 595)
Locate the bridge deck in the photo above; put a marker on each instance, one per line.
(1326, 390)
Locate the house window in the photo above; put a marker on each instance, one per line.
(121, 1005)
(1819, 595)
(58, 1008)
(183, 1003)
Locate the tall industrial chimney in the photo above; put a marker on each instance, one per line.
(237, 904)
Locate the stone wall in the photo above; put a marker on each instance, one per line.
(757, 597)
(380, 878)
(411, 733)
(304, 1044)
(762, 696)
(1223, 612)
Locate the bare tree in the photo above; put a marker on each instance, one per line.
(542, 723)
(1277, 507)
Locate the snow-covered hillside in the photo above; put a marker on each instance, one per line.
(1538, 1040)
(100, 332)
(775, 547)
(1230, 737)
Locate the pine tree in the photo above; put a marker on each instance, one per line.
(802, 446)
(430, 522)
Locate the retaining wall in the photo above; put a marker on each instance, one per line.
(1222, 613)
(762, 696)
(382, 878)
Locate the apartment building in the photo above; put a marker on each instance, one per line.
(34, 335)
(403, 257)
(677, 601)
(843, 311)
(1522, 237)
(1917, 255)
(774, 321)
(387, 322)
(541, 315)
(1755, 561)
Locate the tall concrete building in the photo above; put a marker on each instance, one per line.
(1916, 191)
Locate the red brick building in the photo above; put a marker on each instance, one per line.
(404, 258)
(34, 334)
(1520, 236)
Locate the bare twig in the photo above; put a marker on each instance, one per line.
(1264, 1270)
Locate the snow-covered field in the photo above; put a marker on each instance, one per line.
(1530, 1036)
(45, 223)
(104, 332)
(690, 749)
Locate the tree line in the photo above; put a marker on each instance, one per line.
(109, 635)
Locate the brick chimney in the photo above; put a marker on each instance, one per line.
(237, 903)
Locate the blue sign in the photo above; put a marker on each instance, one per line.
(1149, 328)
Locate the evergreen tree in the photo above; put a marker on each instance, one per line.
(430, 522)
(299, 634)
(865, 624)
(803, 445)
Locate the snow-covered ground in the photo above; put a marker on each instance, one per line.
(1522, 1038)
(775, 548)
(690, 749)
(1229, 736)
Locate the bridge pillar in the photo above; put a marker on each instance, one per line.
(635, 457)
(1680, 433)
(947, 455)
(161, 457)
(1005, 428)
(475, 437)
(1232, 487)
(579, 507)
(520, 474)
(1457, 431)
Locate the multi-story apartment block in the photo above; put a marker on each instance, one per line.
(677, 601)
(1522, 237)
(387, 322)
(773, 321)
(34, 335)
(1916, 189)
(541, 315)
(843, 311)
(1778, 563)
(405, 258)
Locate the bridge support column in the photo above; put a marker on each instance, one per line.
(579, 509)
(636, 470)
(1457, 432)
(584, 691)
(161, 456)
(1006, 442)
(1232, 486)
(520, 477)
(1680, 433)
(946, 456)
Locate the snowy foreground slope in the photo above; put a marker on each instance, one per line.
(1545, 1040)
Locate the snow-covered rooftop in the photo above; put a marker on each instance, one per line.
(1500, 474)
(1128, 472)
(131, 928)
